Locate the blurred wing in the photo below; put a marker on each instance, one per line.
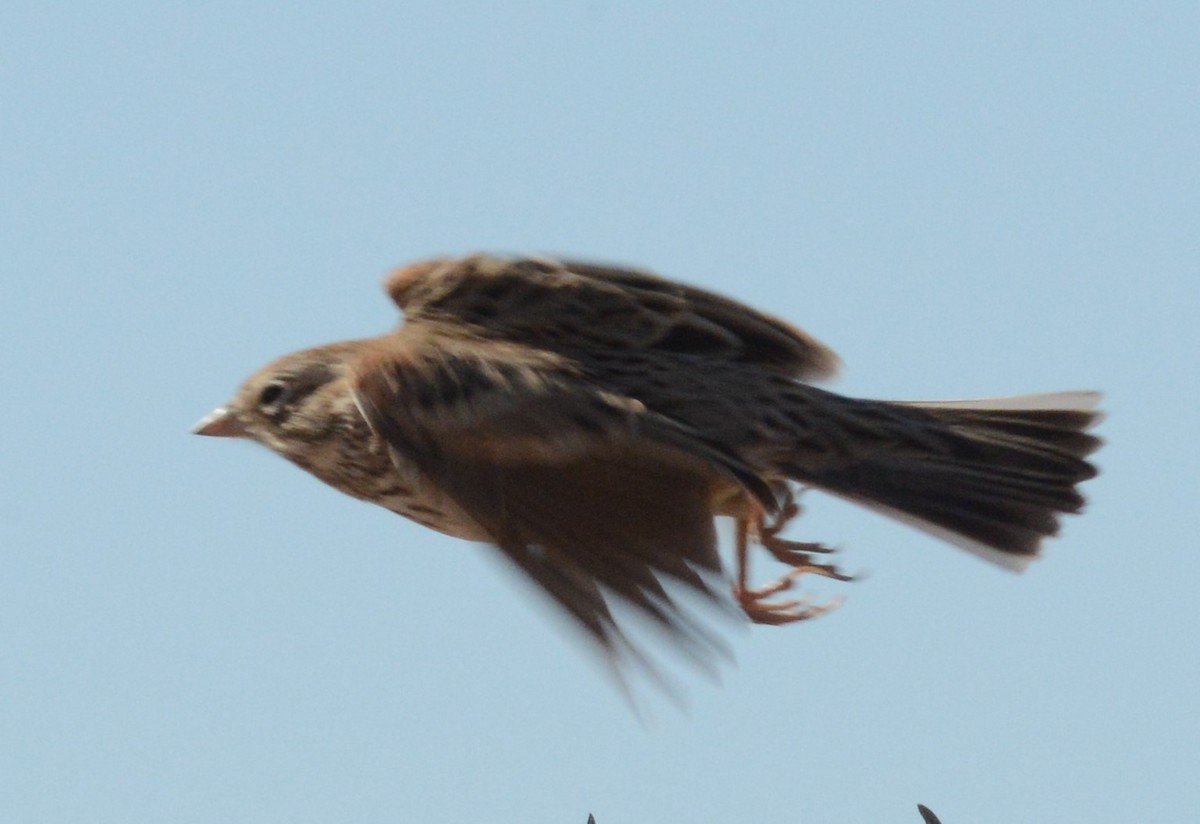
(583, 491)
(565, 306)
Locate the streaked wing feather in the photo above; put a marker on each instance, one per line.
(578, 488)
(568, 306)
(511, 404)
(612, 521)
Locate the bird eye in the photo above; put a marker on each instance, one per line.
(271, 393)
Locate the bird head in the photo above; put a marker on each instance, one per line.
(289, 404)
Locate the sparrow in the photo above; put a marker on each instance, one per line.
(591, 422)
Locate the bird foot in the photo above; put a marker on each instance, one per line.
(796, 554)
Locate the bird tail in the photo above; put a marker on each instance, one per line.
(990, 476)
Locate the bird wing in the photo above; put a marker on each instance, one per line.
(565, 305)
(584, 491)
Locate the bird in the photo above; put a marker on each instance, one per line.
(927, 815)
(592, 422)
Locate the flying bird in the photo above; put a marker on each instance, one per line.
(591, 422)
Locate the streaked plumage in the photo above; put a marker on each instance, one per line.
(592, 421)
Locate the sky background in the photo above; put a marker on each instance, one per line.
(961, 199)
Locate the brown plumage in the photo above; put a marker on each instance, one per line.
(591, 422)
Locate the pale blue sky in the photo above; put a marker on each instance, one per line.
(962, 201)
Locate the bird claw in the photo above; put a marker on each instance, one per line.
(775, 613)
(793, 553)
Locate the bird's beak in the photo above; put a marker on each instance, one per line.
(221, 423)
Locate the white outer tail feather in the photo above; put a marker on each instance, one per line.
(1077, 401)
